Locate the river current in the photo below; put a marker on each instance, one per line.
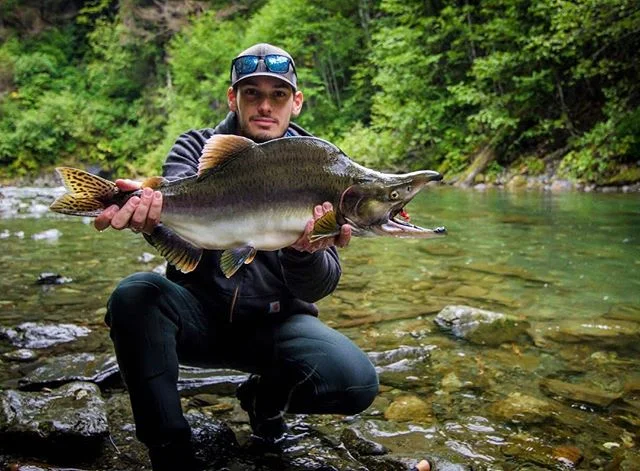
(556, 261)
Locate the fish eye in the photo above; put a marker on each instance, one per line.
(394, 195)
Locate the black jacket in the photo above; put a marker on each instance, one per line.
(276, 283)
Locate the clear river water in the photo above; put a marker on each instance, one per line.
(561, 262)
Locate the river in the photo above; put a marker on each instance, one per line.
(556, 261)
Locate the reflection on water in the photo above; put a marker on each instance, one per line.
(554, 260)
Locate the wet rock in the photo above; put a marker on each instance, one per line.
(466, 291)
(625, 312)
(33, 467)
(49, 278)
(576, 392)
(358, 444)
(101, 368)
(406, 463)
(70, 421)
(480, 326)
(409, 408)
(214, 442)
(451, 382)
(49, 235)
(626, 460)
(518, 407)
(194, 380)
(146, 257)
(161, 269)
(37, 335)
(568, 455)
(22, 354)
(602, 333)
(401, 358)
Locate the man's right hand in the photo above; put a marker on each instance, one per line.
(140, 214)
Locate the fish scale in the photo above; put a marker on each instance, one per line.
(247, 197)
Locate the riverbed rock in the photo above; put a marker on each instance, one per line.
(602, 332)
(100, 368)
(214, 441)
(22, 354)
(409, 408)
(50, 235)
(518, 407)
(39, 335)
(528, 448)
(578, 392)
(193, 380)
(358, 444)
(625, 312)
(480, 326)
(69, 421)
(402, 358)
(50, 278)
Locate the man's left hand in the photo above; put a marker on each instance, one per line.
(341, 240)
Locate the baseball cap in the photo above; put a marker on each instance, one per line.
(264, 60)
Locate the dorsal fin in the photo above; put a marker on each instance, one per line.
(219, 148)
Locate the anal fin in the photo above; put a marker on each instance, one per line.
(325, 227)
(232, 259)
(180, 253)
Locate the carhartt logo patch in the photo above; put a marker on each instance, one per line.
(274, 306)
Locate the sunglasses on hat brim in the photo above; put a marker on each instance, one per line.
(274, 63)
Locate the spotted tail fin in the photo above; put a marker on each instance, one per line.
(87, 194)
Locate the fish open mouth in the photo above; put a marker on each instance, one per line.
(398, 225)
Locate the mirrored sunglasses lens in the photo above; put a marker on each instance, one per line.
(277, 64)
(246, 64)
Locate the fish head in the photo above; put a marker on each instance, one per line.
(376, 206)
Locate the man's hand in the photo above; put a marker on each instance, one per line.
(341, 240)
(140, 214)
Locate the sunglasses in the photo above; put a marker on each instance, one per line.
(274, 63)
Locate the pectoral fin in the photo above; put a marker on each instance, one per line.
(178, 252)
(232, 259)
(325, 227)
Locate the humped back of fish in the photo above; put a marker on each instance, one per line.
(256, 195)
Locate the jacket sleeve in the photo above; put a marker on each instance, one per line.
(182, 160)
(311, 276)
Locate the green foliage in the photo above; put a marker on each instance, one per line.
(396, 83)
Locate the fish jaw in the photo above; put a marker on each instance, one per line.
(397, 228)
(379, 208)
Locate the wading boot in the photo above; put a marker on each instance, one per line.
(175, 456)
(268, 425)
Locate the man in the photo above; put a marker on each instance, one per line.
(262, 320)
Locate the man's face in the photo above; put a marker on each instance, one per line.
(264, 106)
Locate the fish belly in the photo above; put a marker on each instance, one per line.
(263, 230)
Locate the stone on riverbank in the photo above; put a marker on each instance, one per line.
(480, 326)
(38, 335)
(70, 421)
(73, 367)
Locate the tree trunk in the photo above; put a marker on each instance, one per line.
(482, 158)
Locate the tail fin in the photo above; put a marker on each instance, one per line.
(87, 194)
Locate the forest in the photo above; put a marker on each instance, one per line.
(464, 87)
